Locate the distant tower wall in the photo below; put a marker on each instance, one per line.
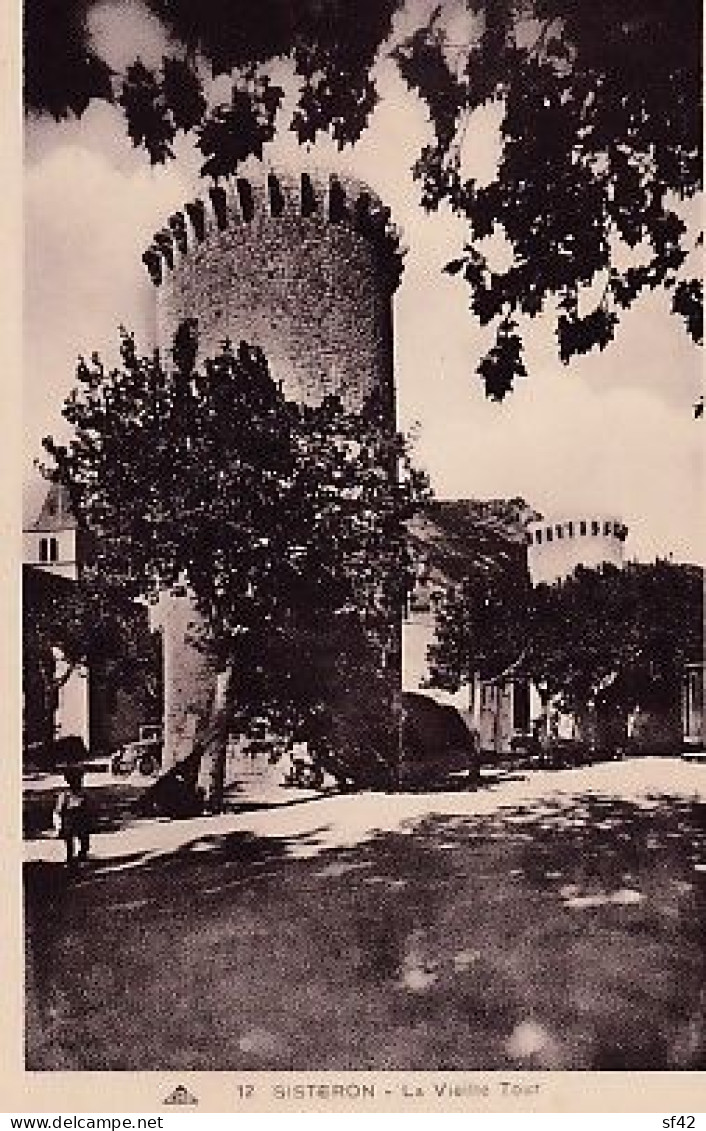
(556, 547)
(306, 271)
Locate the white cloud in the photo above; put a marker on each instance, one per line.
(87, 222)
(125, 31)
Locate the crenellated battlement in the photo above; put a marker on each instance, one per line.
(247, 203)
(555, 547)
(598, 526)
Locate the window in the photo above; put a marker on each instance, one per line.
(606, 528)
(53, 550)
(595, 528)
(43, 550)
(559, 531)
(582, 527)
(570, 529)
(538, 537)
(550, 534)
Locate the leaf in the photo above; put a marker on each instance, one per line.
(333, 101)
(234, 131)
(62, 72)
(183, 93)
(148, 119)
(688, 302)
(504, 363)
(581, 334)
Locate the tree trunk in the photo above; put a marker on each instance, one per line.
(398, 717)
(212, 743)
(497, 709)
(583, 727)
(544, 730)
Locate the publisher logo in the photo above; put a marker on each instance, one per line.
(180, 1097)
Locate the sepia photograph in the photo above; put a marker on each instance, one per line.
(362, 542)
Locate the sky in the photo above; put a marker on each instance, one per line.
(614, 432)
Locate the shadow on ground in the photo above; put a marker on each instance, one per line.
(556, 935)
(115, 804)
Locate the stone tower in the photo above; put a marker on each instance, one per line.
(306, 270)
(555, 547)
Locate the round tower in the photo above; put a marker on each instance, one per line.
(303, 269)
(555, 547)
(306, 270)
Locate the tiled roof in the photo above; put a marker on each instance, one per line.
(56, 513)
(456, 536)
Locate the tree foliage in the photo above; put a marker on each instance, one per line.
(601, 126)
(332, 46)
(285, 522)
(480, 627)
(630, 631)
(601, 108)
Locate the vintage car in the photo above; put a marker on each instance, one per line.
(562, 753)
(144, 755)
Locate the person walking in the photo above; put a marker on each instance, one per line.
(72, 816)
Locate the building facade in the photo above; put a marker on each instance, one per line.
(446, 540)
(91, 702)
(551, 548)
(52, 543)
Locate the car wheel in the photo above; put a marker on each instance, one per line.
(148, 765)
